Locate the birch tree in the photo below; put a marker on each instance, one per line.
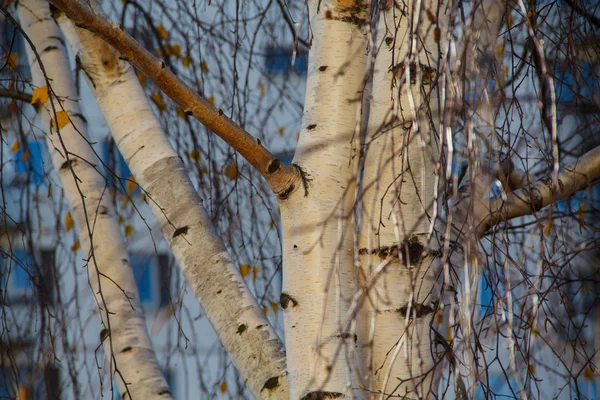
(437, 220)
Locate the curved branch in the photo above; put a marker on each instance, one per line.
(277, 175)
(532, 198)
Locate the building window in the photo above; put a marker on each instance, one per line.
(279, 60)
(28, 163)
(16, 268)
(29, 383)
(20, 275)
(151, 279)
(116, 167)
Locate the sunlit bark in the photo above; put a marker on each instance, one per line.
(128, 348)
(236, 317)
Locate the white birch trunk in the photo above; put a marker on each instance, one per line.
(238, 320)
(398, 202)
(133, 363)
(318, 274)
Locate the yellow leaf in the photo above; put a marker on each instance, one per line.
(111, 192)
(121, 220)
(244, 270)
(162, 32)
(76, 245)
(265, 310)
(275, 306)
(202, 171)
(62, 120)
(531, 368)
(130, 186)
(174, 50)
(211, 100)
(281, 130)
(40, 95)
(231, 172)
(499, 49)
(186, 61)
(271, 224)
(141, 78)
(581, 212)
(297, 136)
(16, 146)
(261, 88)
(589, 374)
(25, 156)
(195, 155)
(128, 231)
(223, 387)
(11, 59)
(68, 222)
(126, 202)
(158, 101)
(548, 227)
(143, 196)
(203, 67)
(181, 113)
(254, 272)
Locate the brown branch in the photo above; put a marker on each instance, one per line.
(278, 176)
(12, 94)
(532, 198)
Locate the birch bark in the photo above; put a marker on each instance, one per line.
(133, 363)
(317, 218)
(248, 337)
(401, 152)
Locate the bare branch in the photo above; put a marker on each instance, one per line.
(278, 176)
(532, 198)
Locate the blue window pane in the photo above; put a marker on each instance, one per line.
(142, 270)
(576, 84)
(585, 389)
(279, 60)
(10, 383)
(116, 165)
(485, 295)
(21, 267)
(29, 162)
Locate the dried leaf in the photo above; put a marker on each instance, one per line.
(195, 155)
(589, 374)
(244, 270)
(76, 246)
(141, 78)
(128, 231)
(10, 59)
(186, 61)
(211, 100)
(162, 32)
(130, 186)
(203, 67)
(275, 306)
(231, 171)
(281, 130)
(223, 387)
(174, 50)
(261, 88)
(548, 227)
(40, 95)
(255, 272)
(157, 99)
(181, 113)
(68, 222)
(581, 213)
(62, 120)
(265, 310)
(16, 146)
